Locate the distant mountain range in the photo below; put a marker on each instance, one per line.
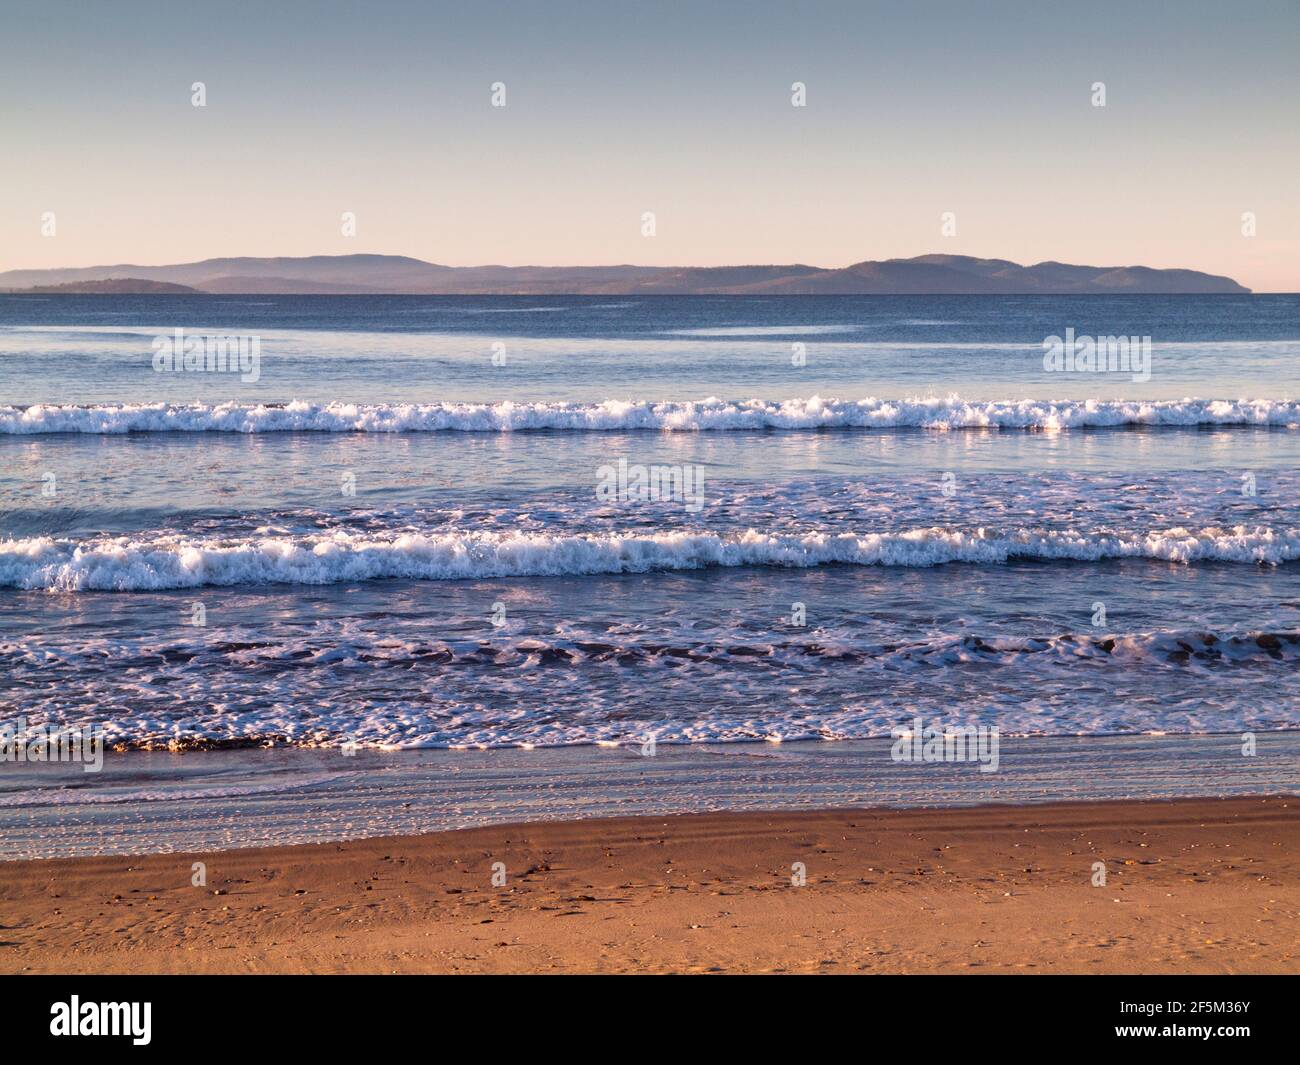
(929, 275)
(131, 285)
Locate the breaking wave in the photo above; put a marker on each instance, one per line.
(616, 415)
(161, 561)
(1175, 648)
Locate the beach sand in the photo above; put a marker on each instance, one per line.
(1192, 886)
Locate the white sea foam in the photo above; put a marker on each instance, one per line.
(177, 561)
(330, 684)
(617, 415)
(578, 648)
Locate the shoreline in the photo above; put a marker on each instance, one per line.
(1192, 885)
(158, 802)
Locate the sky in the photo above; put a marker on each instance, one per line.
(984, 111)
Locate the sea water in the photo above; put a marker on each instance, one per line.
(393, 534)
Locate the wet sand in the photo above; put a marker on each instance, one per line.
(1192, 886)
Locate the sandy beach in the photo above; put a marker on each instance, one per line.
(1191, 886)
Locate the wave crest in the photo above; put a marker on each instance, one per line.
(175, 561)
(616, 416)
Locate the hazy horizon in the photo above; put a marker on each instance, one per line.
(370, 252)
(612, 111)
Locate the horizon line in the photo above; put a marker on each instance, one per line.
(601, 265)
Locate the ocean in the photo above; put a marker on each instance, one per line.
(482, 522)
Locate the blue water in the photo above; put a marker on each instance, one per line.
(392, 537)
